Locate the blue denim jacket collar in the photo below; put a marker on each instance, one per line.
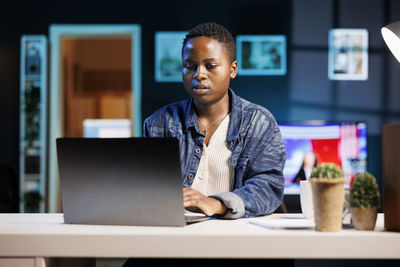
(235, 119)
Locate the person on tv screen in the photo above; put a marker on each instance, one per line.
(309, 162)
(231, 150)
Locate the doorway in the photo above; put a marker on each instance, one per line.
(95, 74)
(97, 85)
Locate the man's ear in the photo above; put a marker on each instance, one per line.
(234, 69)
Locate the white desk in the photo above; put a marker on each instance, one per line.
(37, 236)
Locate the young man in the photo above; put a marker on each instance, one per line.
(231, 150)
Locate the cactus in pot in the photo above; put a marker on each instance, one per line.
(364, 201)
(327, 171)
(327, 182)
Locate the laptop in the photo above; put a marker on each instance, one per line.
(122, 181)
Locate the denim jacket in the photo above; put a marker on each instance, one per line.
(258, 153)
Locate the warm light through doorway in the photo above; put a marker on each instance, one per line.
(97, 81)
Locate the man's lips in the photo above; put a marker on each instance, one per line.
(200, 89)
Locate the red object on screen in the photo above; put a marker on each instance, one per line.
(327, 150)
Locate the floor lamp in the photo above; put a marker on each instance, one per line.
(391, 35)
(391, 147)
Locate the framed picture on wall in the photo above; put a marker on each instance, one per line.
(261, 54)
(348, 54)
(168, 62)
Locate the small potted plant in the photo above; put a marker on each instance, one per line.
(364, 201)
(31, 108)
(327, 183)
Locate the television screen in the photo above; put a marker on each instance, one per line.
(311, 143)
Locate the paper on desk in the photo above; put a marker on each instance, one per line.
(293, 223)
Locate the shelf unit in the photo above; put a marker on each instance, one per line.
(33, 123)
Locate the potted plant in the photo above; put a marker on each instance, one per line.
(327, 183)
(364, 201)
(31, 107)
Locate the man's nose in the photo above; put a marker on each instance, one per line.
(200, 73)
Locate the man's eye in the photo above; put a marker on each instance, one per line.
(188, 66)
(211, 66)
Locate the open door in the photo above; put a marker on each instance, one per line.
(95, 74)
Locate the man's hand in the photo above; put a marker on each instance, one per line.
(195, 201)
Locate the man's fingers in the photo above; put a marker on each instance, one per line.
(191, 196)
(191, 193)
(188, 191)
(193, 199)
(191, 203)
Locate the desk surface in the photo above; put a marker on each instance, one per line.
(46, 235)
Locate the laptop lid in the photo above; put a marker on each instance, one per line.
(121, 181)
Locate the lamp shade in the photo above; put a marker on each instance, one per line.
(391, 35)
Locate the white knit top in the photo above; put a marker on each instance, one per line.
(215, 172)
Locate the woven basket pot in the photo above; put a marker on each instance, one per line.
(363, 219)
(328, 199)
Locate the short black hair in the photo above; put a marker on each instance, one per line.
(214, 31)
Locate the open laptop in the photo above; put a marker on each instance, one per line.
(122, 181)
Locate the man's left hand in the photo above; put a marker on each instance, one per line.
(195, 201)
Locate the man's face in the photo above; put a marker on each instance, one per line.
(206, 70)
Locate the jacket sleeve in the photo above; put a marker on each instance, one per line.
(151, 126)
(146, 128)
(263, 181)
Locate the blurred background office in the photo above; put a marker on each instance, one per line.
(102, 89)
